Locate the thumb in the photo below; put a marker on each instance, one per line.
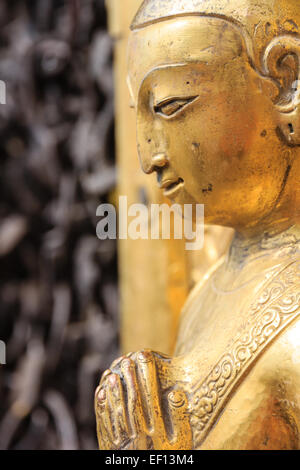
(182, 432)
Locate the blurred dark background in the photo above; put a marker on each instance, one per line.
(58, 282)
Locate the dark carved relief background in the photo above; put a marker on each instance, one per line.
(58, 282)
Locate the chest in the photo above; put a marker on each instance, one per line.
(224, 335)
(214, 319)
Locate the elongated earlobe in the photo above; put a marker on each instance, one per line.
(281, 62)
(289, 125)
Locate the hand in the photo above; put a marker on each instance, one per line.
(129, 410)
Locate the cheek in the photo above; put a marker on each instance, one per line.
(230, 127)
(198, 142)
(212, 137)
(236, 135)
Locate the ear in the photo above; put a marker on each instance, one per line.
(281, 62)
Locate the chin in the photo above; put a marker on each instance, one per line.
(182, 198)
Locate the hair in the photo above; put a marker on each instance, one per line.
(263, 18)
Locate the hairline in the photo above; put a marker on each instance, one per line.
(235, 23)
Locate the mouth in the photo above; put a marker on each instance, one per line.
(170, 187)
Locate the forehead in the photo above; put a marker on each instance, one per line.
(180, 41)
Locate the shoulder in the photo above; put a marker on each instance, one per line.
(279, 320)
(282, 359)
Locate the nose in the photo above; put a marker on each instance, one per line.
(157, 161)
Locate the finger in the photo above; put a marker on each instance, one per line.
(102, 435)
(104, 376)
(117, 403)
(100, 399)
(104, 417)
(117, 362)
(103, 439)
(135, 408)
(148, 374)
(182, 437)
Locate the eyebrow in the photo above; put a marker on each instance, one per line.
(174, 65)
(157, 69)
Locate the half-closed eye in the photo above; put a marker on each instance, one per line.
(172, 106)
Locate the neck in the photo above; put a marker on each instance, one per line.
(262, 244)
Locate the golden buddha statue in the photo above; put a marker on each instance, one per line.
(216, 91)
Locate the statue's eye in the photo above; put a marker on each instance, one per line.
(170, 107)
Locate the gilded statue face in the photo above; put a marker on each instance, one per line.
(206, 122)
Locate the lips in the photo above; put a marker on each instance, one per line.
(171, 186)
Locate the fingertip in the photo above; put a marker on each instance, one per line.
(145, 356)
(97, 390)
(127, 364)
(113, 380)
(101, 395)
(117, 362)
(105, 375)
